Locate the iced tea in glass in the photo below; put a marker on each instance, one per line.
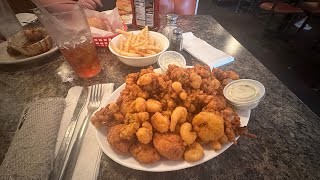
(68, 27)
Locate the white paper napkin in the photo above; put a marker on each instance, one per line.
(203, 51)
(88, 162)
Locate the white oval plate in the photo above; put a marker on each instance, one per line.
(5, 58)
(164, 164)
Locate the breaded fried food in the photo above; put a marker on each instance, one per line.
(216, 104)
(160, 122)
(108, 116)
(145, 153)
(208, 126)
(169, 145)
(118, 144)
(194, 152)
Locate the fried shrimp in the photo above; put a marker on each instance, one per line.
(186, 134)
(178, 115)
(118, 144)
(194, 152)
(144, 134)
(160, 122)
(169, 145)
(145, 153)
(154, 106)
(208, 126)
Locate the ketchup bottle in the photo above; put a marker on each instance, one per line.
(145, 13)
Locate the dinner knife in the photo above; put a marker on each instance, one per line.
(62, 153)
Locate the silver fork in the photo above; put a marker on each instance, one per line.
(93, 105)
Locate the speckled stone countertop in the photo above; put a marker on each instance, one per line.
(288, 142)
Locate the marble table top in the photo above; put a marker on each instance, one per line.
(288, 132)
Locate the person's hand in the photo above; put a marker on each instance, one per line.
(91, 4)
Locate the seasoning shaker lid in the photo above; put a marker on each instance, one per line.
(177, 31)
(172, 17)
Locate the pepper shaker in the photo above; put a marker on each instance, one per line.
(176, 40)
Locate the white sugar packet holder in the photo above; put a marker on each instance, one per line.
(204, 52)
(88, 163)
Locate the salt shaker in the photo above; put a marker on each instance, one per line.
(176, 40)
(170, 26)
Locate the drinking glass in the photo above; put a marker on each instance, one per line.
(69, 29)
(9, 22)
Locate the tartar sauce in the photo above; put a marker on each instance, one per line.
(243, 91)
(171, 60)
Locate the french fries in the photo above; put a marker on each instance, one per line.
(136, 45)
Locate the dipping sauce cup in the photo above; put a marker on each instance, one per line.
(244, 94)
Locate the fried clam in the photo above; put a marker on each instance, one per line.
(144, 133)
(118, 144)
(154, 106)
(108, 116)
(194, 152)
(133, 122)
(169, 145)
(145, 153)
(208, 126)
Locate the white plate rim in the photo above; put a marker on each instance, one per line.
(127, 160)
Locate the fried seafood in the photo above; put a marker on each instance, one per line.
(171, 114)
(108, 116)
(195, 80)
(194, 152)
(208, 126)
(216, 104)
(144, 133)
(154, 106)
(133, 122)
(145, 79)
(139, 105)
(118, 144)
(145, 153)
(178, 115)
(160, 122)
(186, 133)
(169, 145)
(215, 145)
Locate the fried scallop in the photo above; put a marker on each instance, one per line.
(169, 145)
(145, 153)
(118, 144)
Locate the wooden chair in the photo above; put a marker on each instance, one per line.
(311, 8)
(278, 7)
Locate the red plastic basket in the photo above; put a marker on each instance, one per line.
(104, 41)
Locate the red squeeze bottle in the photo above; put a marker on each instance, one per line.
(145, 13)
